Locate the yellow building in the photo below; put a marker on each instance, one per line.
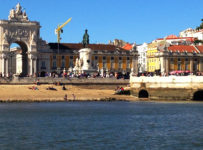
(180, 58)
(152, 61)
(104, 57)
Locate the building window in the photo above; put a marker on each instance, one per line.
(95, 57)
(54, 57)
(120, 65)
(171, 61)
(112, 58)
(104, 58)
(43, 65)
(63, 64)
(104, 64)
(63, 57)
(71, 57)
(54, 64)
(195, 65)
(128, 64)
(186, 64)
(71, 63)
(179, 66)
(112, 65)
(120, 58)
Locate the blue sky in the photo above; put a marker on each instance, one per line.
(130, 20)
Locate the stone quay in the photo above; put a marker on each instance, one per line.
(167, 88)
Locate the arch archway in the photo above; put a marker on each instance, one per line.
(18, 59)
(143, 94)
(18, 29)
(198, 96)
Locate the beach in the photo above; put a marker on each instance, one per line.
(30, 93)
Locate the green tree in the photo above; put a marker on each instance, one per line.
(201, 25)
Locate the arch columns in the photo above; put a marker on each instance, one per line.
(32, 66)
(4, 64)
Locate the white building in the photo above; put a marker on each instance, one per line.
(192, 33)
(142, 59)
(175, 40)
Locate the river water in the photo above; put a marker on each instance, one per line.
(101, 125)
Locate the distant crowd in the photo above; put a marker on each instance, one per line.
(68, 75)
(172, 73)
(115, 75)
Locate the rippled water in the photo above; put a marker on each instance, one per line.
(101, 125)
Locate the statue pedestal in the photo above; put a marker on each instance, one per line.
(85, 55)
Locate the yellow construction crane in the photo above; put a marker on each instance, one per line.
(59, 30)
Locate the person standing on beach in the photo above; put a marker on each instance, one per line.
(73, 96)
(65, 97)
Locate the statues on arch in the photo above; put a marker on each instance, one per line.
(17, 14)
(12, 14)
(18, 9)
(33, 38)
(6, 36)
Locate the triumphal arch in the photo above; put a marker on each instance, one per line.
(18, 29)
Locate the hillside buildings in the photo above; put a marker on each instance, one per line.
(198, 34)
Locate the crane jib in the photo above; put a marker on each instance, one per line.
(60, 30)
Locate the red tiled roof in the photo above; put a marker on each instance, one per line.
(171, 37)
(78, 46)
(192, 39)
(200, 48)
(127, 46)
(182, 48)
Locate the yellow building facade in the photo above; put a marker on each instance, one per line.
(153, 63)
(104, 57)
(177, 58)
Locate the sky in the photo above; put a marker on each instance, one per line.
(129, 20)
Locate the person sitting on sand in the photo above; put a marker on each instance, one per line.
(63, 88)
(121, 89)
(51, 88)
(37, 83)
(33, 88)
(117, 88)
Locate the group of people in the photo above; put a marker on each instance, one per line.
(117, 75)
(174, 73)
(119, 90)
(37, 83)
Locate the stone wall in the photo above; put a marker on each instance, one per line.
(73, 81)
(167, 88)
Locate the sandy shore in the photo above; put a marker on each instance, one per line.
(25, 93)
